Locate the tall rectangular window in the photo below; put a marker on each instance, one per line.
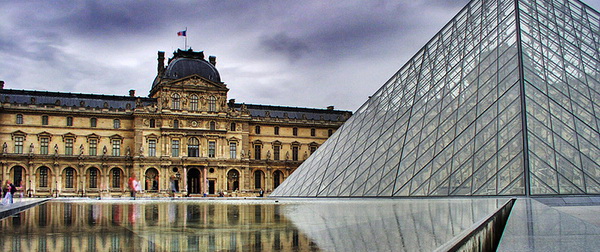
(19, 119)
(152, 148)
(69, 146)
(212, 104)
(69, 121)
(69, 177)
(43, 177)
(295, 131)
(44, 142)
(93, 122)
(175, 148)
(116, 178)
(194, 103)
(19, 145)
(232, 150)
(313, 132)
(116, 123)
(276, 151)
(45, 120)
(295, 153)
(116, 147)
(276, 130)
(93, 147)
(211, 148)
(257, 152)
(93, 178)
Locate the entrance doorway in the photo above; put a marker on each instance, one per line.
(211, 186)
(193, 179)
(18, 175)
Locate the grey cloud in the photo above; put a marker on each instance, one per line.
(293, 48)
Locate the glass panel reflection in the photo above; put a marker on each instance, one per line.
(243, 225)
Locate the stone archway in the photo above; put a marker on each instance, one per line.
(193, 181)
(17, 173)
(233, 180)
(277, 178)
(151, 180)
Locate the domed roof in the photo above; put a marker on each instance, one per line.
(186, 63)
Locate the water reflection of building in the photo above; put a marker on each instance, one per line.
(173, 226)
(186, 135)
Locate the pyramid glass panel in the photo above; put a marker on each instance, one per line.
(502, 101)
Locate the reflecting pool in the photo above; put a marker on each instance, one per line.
(242, 225)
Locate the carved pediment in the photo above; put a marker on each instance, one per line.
(69, 135)
(18, 133)
(44, 134)
(91, 136)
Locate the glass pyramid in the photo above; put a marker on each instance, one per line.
(504, 100)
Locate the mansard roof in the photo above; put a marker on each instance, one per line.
(257, 110)
(72, 99)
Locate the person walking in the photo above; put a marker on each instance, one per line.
(132, 185)
(9, 190)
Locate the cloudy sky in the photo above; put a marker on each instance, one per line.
(308, 53)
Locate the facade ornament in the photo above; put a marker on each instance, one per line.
(287, 155)
(4, 148)
(81, 150)
(31, 148)
(305, 155)
(142, 150)
(248, 153)
(104, 150)
(242, 154)
(128, 153)
(56, 150)
(268, 155)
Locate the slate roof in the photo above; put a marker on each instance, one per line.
(72, 99)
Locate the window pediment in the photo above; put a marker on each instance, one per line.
(44, 134)
(69, 135)
(92, 136)
(18, 133)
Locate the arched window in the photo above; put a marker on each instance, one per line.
(69, 177)
(93, 177)
(233, 182)
(175, 101)
(212, 104)
(194, 103)
(19, 119)
(212, 125)
(193, 147)
(232, 128)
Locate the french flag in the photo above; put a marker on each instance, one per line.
(181, 33)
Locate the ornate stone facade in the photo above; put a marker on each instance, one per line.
(185, 137)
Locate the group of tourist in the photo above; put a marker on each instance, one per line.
(8, 190)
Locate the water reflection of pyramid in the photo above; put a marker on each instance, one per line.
(499, 102)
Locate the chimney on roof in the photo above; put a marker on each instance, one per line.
(161, 62)
(132, 92)
(330, 107)
(212, 60)
(1, 84)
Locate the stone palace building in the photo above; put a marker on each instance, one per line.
(186, 136)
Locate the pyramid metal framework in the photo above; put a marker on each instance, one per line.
(504, 100)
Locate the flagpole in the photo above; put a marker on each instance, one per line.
(185, 48)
